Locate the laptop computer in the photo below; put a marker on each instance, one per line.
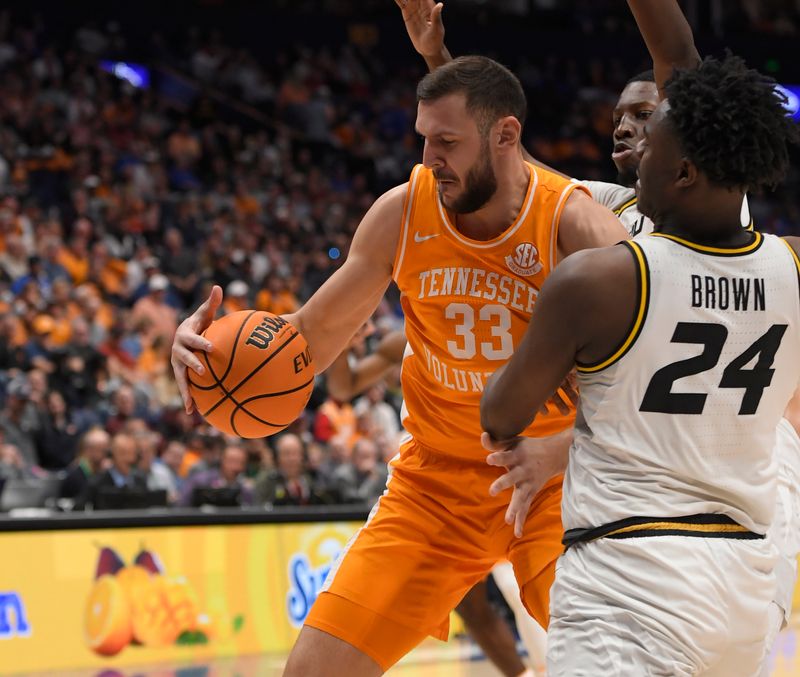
(125, 498)
(31, 492)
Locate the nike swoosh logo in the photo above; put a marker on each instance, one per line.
(422, 238)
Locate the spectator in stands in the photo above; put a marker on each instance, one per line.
(229, 475)
(38, 275)
(14, 260)
(121, 364)
(162, 318)
(19, 420)
(159, 476)
(58, 436)
(79, 366)
(37, 384)
(276, 297)
(259, 456)
(237, 298)
(384, 417)
(125, 408)
(179, 261)
(122, 473)
(11, 354)
(338, 454)
(39, 348)
(363, 480)
(172, 458)
(316, 454)
(93, 458)
(211, 455)
(289, 483)
(194, 452)
(335, 420)
(11, 464)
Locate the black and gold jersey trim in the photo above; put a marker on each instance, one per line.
(703, 526)
(758, 240)
(625, 205)
(643, 296)
(751, 226)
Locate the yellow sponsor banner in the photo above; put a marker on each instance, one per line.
(121, 597)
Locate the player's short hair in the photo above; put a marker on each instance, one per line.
(492, 91)
(731, 123)
(644, 76)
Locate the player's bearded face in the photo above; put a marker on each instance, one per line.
(480, 184)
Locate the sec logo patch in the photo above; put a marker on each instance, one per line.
(524, 260)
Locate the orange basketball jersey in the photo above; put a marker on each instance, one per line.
(467, 305)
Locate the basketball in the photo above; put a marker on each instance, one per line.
(258, 377)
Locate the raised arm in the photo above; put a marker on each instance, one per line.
(334, 313)
(345, 382)
(423, 20)
(667, 35)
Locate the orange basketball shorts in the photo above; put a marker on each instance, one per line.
(434, 534)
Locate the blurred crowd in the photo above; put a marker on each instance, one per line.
(764, 16)
(120, 207)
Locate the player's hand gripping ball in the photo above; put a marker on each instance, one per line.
(258, 377)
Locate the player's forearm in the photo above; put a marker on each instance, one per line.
(667, 34)
(341, 379)
(323, 345)
(331, 317)
(505, 412)
(440, 58)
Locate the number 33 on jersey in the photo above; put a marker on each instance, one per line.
(467, 304)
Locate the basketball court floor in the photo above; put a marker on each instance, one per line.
(457, 658)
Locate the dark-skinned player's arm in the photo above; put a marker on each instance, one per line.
(331, 317)
(584, 224)
(423, 21)
(668, 37)
(346, 381)
(582, 313)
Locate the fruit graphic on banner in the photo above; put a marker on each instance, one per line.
(139, 604)
(108, 622)
(149, 560)
(165, 609)
(109, 562)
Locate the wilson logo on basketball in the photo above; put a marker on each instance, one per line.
(524, 260)
(263, 333)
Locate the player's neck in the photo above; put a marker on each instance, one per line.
(502, 209)
(715, 223)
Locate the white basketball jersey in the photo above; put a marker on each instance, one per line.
(681, 419)
(622, 201)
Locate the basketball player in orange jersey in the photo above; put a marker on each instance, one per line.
(346, 379)
(469, 240)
